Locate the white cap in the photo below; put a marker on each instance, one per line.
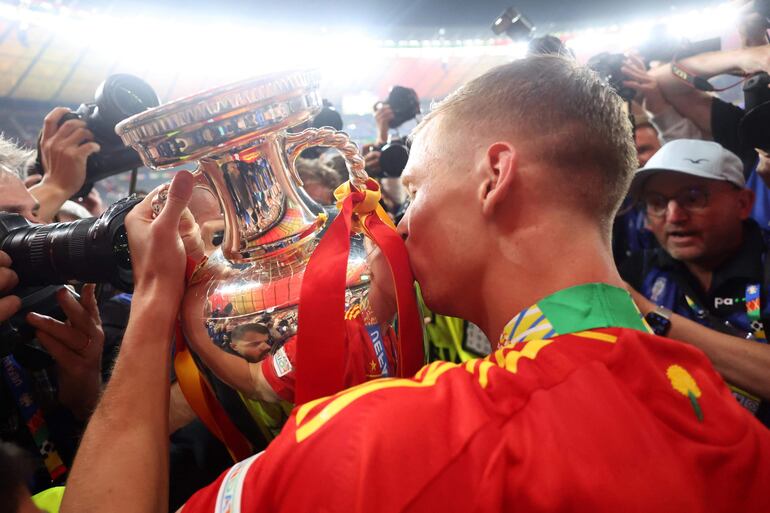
(694, 157)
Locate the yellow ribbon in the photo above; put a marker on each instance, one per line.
(370, 204)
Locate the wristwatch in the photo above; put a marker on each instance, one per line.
(659, 320)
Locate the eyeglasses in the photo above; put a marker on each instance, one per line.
(691, 200)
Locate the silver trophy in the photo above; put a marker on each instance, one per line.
(242, 302)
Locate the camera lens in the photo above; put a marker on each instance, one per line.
(404, 103)
(125, 95)
(118, 97)
(88, 250)
(393, 158)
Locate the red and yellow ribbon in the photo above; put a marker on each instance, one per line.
(321, 324)
(201, 398)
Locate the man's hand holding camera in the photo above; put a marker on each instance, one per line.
(383, 116)
(76, 346)
(9, 305)
(64, 150)
(646, 86)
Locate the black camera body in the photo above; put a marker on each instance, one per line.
(404, 103)
(18, 338)
(609, 67)
(393, 157)
(45, 256)
(88, 250)
(327, 117)
(117, 98)
(754, 128)
(514, 24)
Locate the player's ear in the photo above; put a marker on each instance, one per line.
(497, 168)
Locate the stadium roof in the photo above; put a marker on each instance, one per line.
(58, 53)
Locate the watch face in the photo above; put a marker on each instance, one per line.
(659, 324)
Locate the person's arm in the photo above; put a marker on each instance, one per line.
(235, 371)
(741, 362)
(63, 150)
(383, 116)
(694, 104)
(122, 462)
(669, 123)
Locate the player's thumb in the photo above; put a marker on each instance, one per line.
(179, 195)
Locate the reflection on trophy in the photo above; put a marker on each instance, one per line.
(241, 304)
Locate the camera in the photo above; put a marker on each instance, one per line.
(87, 250)
(404, 103)
(45, 256)
(18, 338)
(328, 116)
(608, 66)
(393, 157)
(117, 98)
(754, 128)
(514, 24)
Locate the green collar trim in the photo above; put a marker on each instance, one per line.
(579, 308)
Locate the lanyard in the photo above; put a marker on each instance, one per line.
(375, 335)
(753, 310)
(33, 417)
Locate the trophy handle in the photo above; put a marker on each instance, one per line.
(331, 138)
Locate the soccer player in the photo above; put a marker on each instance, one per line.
(514, 179)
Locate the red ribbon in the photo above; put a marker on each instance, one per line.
(321, 324)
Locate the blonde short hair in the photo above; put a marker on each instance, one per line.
(571, 121)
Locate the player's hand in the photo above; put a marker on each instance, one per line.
(192, 236)
(158, 254)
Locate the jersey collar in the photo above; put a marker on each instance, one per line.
(579, 308)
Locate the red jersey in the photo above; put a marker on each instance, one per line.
(369, 350)
(599, 420)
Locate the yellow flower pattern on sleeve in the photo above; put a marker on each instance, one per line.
(685, 384)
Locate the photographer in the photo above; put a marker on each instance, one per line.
(62, 396)
(64, 151)
(715, 118)
(386, 158)
(698, 284)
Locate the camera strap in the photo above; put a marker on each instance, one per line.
(695, 81)
(30, 411)
(698, 82)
